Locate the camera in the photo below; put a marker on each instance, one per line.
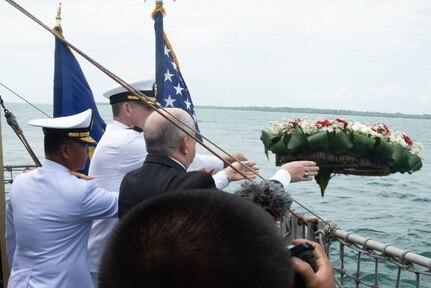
(303, 251)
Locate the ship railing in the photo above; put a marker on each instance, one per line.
(11, 171)
(362, 256)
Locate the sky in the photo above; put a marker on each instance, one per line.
(361, 55)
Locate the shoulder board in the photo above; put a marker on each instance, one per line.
(80, 175)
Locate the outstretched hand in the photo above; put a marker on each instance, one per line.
(237, 156)
(324, 277)
(250, 173)
(301, 170)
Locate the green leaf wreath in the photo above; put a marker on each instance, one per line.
(339, 146)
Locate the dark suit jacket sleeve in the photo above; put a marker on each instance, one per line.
(192, 180)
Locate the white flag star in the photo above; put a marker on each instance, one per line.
(169, 101)
(167, 50)
(195, 118)
(178, 89)
(188, 104)
(175, 65)
(168, 76)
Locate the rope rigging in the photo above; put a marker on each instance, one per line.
(22, 98)
(13, 123)
(190, 131)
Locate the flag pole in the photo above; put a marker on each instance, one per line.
(4, 262)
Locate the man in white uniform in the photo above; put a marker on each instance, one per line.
(50, 210)
(122, 149)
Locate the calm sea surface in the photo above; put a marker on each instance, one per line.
(394, 209)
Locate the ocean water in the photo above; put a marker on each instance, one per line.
(393, 209)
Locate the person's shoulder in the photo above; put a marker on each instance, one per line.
(82, 183)
(131, 176)
(24, 177)
(79, 181)
(122, 144)
(117, 134)
(132, 173)
(131, 143)
(81, 175)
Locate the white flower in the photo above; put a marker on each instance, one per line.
(416, 149)
(397, 137)
(308, 127)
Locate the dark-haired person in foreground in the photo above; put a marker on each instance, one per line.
(50, 210)
(195, 239)
(170, 153)
(204, 238)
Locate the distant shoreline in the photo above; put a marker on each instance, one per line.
(319, 111)
(298, 110)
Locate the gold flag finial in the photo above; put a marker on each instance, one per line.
(58, 17)
(158, 8)
(57, 28)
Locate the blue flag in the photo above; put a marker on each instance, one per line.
(171, 88)
(72, 94)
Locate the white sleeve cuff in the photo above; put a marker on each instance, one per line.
(221, 180)
(283, 177)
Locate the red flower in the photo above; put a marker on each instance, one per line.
(408, 140)
(323, 123)
(345, 123)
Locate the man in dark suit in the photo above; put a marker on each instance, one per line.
(170, 152)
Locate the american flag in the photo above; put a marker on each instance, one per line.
(171, 88)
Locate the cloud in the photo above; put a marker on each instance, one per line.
(341, 54)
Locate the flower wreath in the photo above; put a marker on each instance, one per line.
(342, 147)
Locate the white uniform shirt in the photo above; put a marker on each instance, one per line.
(49, 216)
(119, 151)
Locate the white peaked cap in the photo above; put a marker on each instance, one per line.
(80, 120)
(75, 126)
(120, 94)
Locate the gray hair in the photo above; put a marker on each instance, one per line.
(268, 194)
(163, 137)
